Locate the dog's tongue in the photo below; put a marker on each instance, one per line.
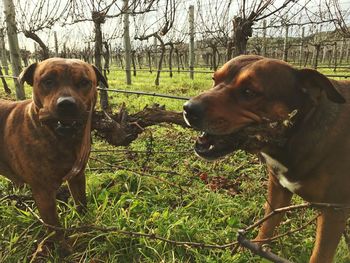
(203, 138)
(203, 143)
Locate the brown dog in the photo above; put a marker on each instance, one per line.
(300, 123)
(46, 140)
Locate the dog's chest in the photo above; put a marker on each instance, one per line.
(47, 157)
(280, 171)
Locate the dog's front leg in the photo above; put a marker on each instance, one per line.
(77, 188)
(330, 226)
(278, 197)
(45, 200)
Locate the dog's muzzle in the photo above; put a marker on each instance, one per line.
(66, 130)
(67, 119)
(69, 122)
(66, 106)
(193, 113)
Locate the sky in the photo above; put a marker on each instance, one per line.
(210, 10)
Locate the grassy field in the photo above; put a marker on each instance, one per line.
(158, 186)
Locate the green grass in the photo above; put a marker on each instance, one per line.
(160, 193)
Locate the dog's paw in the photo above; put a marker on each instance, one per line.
(64, 248)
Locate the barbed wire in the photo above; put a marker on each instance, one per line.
(146, 93)
(175, 97)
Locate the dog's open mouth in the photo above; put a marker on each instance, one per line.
(211, 147)
(63, 126)
(68, 127)
(252, 138)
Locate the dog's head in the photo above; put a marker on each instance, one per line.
(247, 91)
(64, 90)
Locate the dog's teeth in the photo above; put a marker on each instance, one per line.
(186, 120)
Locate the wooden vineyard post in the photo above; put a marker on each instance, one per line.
(127, 44)
(191, 45)
(10, 17)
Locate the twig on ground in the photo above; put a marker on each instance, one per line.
(135, 151)
(276, 211)
(258, 250)
(294, 207)
(87, 228)
(18, 198)
(288, 232)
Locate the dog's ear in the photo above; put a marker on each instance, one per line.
(99, 76)
(27, 75)
(315, 83)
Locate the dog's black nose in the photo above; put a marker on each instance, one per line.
(193, 112)
(66, 105)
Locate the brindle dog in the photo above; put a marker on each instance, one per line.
(46, 140)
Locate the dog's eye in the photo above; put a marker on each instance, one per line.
(84, 83)
(249, 93)
(49, 83)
